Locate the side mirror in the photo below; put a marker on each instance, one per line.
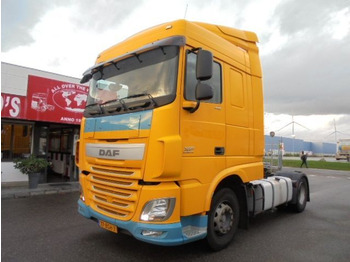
(204, 68)
(86, 78)
(204, 91)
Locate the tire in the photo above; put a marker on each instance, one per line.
(223, 219)
(302, 196)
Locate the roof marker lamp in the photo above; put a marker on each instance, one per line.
(158, 209)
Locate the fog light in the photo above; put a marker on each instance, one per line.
(158, 209)
(151, 233)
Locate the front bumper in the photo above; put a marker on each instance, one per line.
(189, 229)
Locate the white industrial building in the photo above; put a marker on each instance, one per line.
(40, 114)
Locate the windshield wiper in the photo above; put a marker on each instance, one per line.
(150, 97)
(114, 105)
(132, 105)
(91, 107)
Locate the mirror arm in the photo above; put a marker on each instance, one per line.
(193, 109)
(195, 49)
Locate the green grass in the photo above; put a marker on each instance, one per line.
(345, 166)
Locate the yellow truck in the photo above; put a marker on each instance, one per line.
(172, 138)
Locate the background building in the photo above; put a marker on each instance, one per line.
(40, 114)
(295, 146)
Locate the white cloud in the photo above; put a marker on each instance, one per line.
(303, 46)
(339, 24)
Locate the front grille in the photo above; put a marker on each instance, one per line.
(112, 172)
(113, 195)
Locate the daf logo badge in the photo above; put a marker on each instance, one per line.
(108, 152)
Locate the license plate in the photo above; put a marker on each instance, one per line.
(108, 226)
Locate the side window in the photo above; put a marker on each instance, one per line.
(15, 140)
(191, 81)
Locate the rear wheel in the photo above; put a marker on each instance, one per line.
(223, 219)
(302, 194)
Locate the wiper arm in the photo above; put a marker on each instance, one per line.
(152, 99)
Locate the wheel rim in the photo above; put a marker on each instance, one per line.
(223, 219)
(302, 194)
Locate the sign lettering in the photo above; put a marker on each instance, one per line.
(55, 101)
(13, 106)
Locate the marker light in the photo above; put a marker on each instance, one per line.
(158, 209)
(82, 197)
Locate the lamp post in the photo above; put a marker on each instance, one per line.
(272, 134)
(280, 151)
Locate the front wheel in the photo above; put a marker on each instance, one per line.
(223, 219)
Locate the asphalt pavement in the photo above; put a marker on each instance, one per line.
(49, 228)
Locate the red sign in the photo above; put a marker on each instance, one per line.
(13, 106)
(55, 101)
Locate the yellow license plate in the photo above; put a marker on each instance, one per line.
(108, 226)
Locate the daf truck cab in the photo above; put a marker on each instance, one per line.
(172, 138)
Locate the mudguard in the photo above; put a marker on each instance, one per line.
(295, 176)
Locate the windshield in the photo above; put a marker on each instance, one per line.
(150, 76)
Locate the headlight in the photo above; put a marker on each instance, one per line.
(158, 209)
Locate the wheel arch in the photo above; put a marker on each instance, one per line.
(236, 184)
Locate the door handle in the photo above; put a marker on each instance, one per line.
(219, 151)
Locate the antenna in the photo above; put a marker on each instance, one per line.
(186, 11)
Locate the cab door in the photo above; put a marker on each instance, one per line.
(203, 131)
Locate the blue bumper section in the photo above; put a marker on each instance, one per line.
(173, 234)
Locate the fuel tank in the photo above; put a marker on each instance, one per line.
(268, 193)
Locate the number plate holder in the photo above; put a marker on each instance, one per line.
(108, 226)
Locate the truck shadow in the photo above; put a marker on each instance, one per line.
(133, 250)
